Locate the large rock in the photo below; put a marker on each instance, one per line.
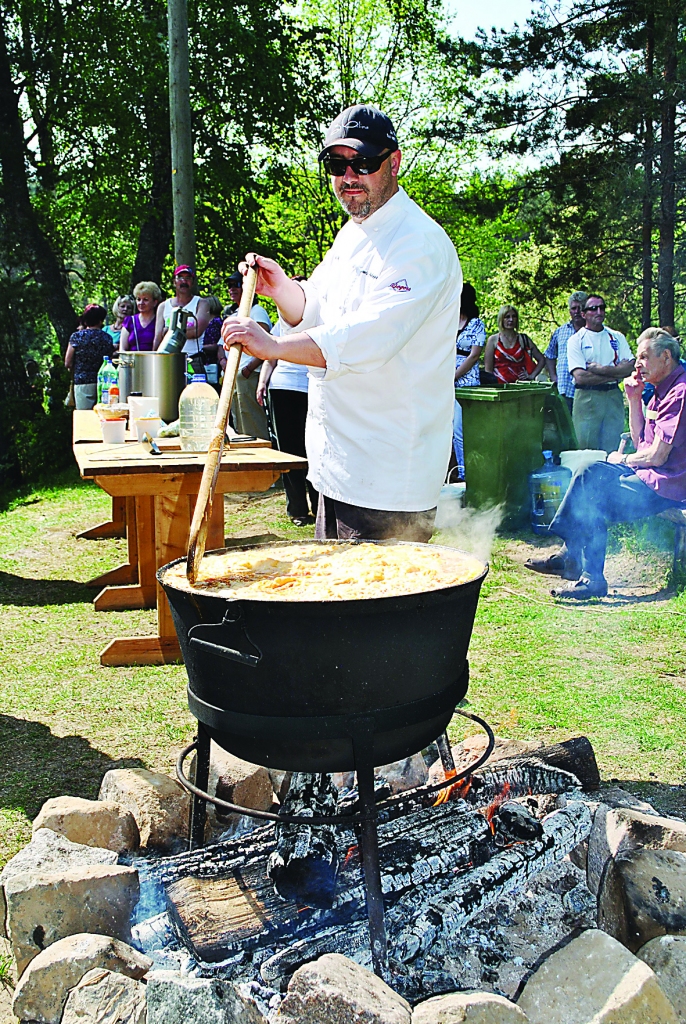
(643, 895)
(42, 908)
(335, 990)
(666, 956)
(180, 999)
(103, 997)
(90, 822)
(618, 831)
(408, 773)
(158, 803)
(595, 980)
(44, 985)
(238, 782)
(49, 851)
(470, 1007)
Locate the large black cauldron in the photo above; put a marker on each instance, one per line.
(288, 684)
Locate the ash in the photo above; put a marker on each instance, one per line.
(495, 954)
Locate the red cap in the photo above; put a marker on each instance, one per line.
(184, 269)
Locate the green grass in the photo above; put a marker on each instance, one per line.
(614, 670)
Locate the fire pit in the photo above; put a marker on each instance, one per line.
(323, 686)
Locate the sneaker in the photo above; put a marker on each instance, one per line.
(555, 565)
(584, 589)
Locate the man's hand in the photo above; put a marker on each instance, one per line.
(275, 283)
(633, 386)
(243, 331)
(616, 458)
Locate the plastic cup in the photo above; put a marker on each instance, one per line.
(113, 431)
(148, 425)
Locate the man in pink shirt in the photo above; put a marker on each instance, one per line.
(626, 487)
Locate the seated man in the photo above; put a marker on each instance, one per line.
(626, 487)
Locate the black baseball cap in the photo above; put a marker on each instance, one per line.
(363, 128)
(236, 279)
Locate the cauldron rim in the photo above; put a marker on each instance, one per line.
(370, 604)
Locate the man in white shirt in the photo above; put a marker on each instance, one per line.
(185, 297)
(376, 325)
(598, 359)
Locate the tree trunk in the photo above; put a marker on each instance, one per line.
(648, 157)
(156, 230)
(21, 215)
(665, 285)
(181, 134)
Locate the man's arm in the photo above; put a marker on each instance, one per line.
(159, 326)
(623, 369)
(584, 378)
(294, 348)
(273, 282)
(551, 367)
(655, 454)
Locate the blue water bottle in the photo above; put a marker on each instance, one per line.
(547, 486)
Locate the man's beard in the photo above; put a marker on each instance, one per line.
(362, 211)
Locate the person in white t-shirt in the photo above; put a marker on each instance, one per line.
(283, 390)
(248, 415)
(185, 297)
(598, 359)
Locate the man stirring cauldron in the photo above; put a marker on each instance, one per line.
(376, 324)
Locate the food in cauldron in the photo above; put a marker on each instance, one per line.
(328, 572)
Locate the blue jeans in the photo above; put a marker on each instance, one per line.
(458, 442)
(598, 495)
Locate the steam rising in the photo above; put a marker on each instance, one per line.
(469, 529)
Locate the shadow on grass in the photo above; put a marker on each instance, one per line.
(24, 591)
(37, 765)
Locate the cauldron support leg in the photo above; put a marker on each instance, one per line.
(363, 745)
(202, 777)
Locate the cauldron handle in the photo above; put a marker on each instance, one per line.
(221, 650)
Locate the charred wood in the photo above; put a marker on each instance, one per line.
(304, 865)
(440, 908)
(217, 913)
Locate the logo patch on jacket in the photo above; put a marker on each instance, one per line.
(401, 286)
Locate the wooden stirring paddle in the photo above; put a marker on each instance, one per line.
(203, 506)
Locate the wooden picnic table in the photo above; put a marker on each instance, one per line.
(160, 492)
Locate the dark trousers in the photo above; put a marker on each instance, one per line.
(289, 412)
(337, 520)
(601, 494)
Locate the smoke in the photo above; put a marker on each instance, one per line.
(469, 529)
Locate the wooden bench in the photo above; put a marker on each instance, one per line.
(678, 517)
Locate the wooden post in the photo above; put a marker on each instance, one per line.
(181, 136)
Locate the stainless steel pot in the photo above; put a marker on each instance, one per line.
(125, 375)
(162, 375)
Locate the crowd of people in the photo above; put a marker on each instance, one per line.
(300, 366)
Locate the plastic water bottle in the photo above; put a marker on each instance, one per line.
(102, 375)
(197, 411)
(547, 487)
(109, 374)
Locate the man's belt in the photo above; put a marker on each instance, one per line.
(610, 386)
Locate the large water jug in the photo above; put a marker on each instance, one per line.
(197, 411)
(547, 487)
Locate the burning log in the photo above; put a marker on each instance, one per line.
(304, 865)
(425, 914)
(217, 914)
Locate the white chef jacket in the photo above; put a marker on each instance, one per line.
(383, 306)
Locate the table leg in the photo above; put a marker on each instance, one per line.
(114, 527)
(142, 559)
(127, 573)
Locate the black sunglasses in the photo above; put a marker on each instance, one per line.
(593, 309)
(361, 165)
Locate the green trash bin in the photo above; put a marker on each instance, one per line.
(503, 443)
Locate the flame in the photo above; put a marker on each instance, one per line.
(459, 788)
(352, 852)
(499, 799)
